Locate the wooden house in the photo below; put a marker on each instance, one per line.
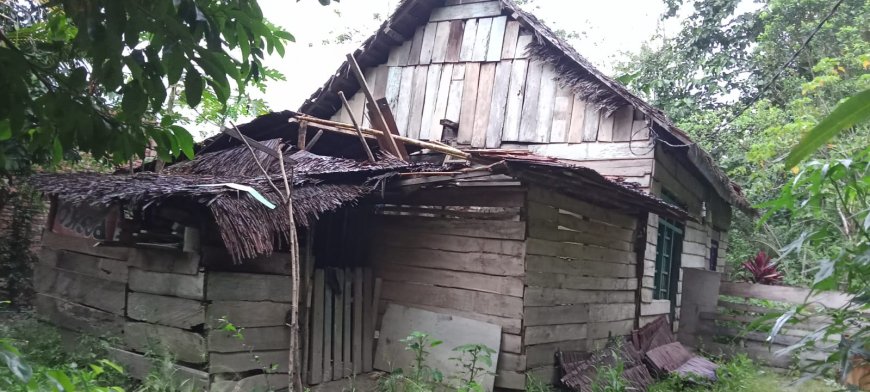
(582, 209)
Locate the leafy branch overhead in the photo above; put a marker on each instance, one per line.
(94, 76)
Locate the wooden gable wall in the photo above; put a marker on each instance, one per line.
(468, 64)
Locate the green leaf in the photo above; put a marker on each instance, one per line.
(5, 130)
(134, 102)
(193, 86)
(19, 369)
(185, 140)
(61, 379)
(57, 151)
(848, 113)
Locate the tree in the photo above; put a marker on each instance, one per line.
(94, 76)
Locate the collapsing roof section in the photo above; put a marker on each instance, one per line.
(574, 70)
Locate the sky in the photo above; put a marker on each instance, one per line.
(607, 28)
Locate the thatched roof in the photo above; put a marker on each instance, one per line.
(573, 69)
(248, 227)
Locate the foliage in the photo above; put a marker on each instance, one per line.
(761, 270)
(851, 111)
(738, 374)
(16, 256)
(609, 378)
(421, 376)
(94, 76)
(474, 359)
(533, 384)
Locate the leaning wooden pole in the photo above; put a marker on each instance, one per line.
(294, 370)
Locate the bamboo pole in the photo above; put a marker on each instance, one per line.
(376, 111)
(347, 129)
(294, 359)
(362, 138)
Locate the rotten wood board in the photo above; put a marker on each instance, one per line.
(87, 290)
(469, 103)
(483, 105)
(163, 283)
(170, 311)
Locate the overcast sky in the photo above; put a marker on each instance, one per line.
(607, 29)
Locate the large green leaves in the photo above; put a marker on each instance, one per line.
(853, 110)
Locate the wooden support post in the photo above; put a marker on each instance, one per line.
(352, 115)
(384, 106)
(316, 375)
(379, 117)
(357, 320)
(302, 134)
(314, 140)
(368, 321)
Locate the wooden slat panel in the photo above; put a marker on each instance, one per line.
(247, 313)
(77, 317)
(435, 127)
(83, 245)
(529, 119)
(483, 105)
(498, 104)
(454, 99)
(416, 46)
(509, 230)
(368, 321)
(466, 300)
(183, 345)
(496, 38)
(347, 348)
(403, 53)
(514, 104)
(639, 130)
(590, 123)
(265, 337)
(578, 116)
(328, 337)
(510, 327)
(551, 264)
(394, 83)
(248, 287)
(481, 41)
(418, 99)
(433, 79)
(468, 38)
(357, 350)
(169, 311)
(466, 11)
(317, 311)
(605, 127)
(523, 42)
(98, 267)
(553, 333)
(403, 109)
(160, 260)
(622, 124)
(439, 46)
(338, 325)
(428, 43)
(83, 289)
(569, 281)
(454, 41)
(512, 286)
(275, 360)
(554, 315)
(540, 296)
(596, 151)
(469, 103)
(457, 243)
(487, 263)
(139, 366)
(561, 115)
(509, 44)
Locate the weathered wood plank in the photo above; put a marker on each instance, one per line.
(368, 321)
(454, 41)
(403, 109)
(562, 106)
(247, 314)
(418, 99)
(554, 315)
(433, 78)
(416, 46)
(623, 119)
(542, 296)
(553, 333)
(596, 151)
(402, 238)
(347, 348)
(466, 11)
(162, 283)
(501, 85)
(77, 317)
(394, 83)
(546, 103)
(609, 328)
(160, 260)
(514, 104)
(219, 259)
(328, 337)
(544, 355)
(578, 117)
(259, 382)
(139, 366)
(605, 127)
(183, 345)
(452, 298)
(83, 245)
(481, 42)
(578, 207)
(338, 325)
(469, 103)
(439, 46)
(488, 263)
(511, 327)
(170, 311)
(435, 127)
(98, 267)
(403, 53)
(83, 289)
(614, 312)
(317, 311)
(483, 105)
(510, 380)
(357, 350)
(454, 99)
(468, 38)
(512, 362)
(523, 42)
(546, 230)
(529, 118)
(565, 249)
(496, 38)
(273, 338)
(590, 123)
(509, 44)
(272, 361)
(504, 285)
(248, 287)
(639, 130)
(509, 230)
(429, 33)
(568, 281)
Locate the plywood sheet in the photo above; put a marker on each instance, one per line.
(399, 321)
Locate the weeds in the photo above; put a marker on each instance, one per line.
(609, 378)
(470, 359)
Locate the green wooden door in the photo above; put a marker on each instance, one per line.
(668, 250)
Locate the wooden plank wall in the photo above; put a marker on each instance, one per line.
(672, 176)
(458, 251)
(581, 278)
(469, 64)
